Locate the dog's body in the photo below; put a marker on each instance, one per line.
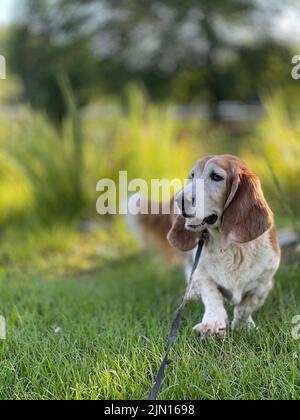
(241, 254)
(242, 274)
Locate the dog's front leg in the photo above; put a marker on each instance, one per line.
(215, 318)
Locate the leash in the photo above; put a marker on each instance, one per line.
(175, 328)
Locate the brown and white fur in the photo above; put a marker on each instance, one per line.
(241, 255)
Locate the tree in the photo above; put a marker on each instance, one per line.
(188, 50)
(46, 45)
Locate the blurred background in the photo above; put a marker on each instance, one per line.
(148, 86)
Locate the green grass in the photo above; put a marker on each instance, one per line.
(114, 321)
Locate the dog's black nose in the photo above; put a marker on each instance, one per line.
(211, 220)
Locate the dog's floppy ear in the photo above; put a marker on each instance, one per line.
(180, 237)
(246, 214)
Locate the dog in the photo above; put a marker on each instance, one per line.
(241, 254)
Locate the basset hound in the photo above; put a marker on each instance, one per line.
(241, 253)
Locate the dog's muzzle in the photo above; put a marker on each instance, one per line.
(210, 221)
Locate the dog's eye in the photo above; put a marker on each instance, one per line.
(192, 175)
(216, 178)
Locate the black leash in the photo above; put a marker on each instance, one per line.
(175, 328)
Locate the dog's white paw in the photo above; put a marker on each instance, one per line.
(211, 329)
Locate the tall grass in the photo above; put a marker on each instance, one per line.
(50, 175)
(145, 140)
(46, 162)
(77, 142)
(61, 169)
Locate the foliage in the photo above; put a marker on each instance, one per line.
(39, 53)
(183, 51)
(52, 176)
(275, 154)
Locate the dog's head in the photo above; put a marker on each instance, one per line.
(233, 203)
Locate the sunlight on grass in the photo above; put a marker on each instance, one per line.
(110, 343)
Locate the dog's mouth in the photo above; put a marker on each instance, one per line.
(208, 221)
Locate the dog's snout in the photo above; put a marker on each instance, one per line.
(183, 200)
(185, 203)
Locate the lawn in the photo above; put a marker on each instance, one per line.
(99, 333)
